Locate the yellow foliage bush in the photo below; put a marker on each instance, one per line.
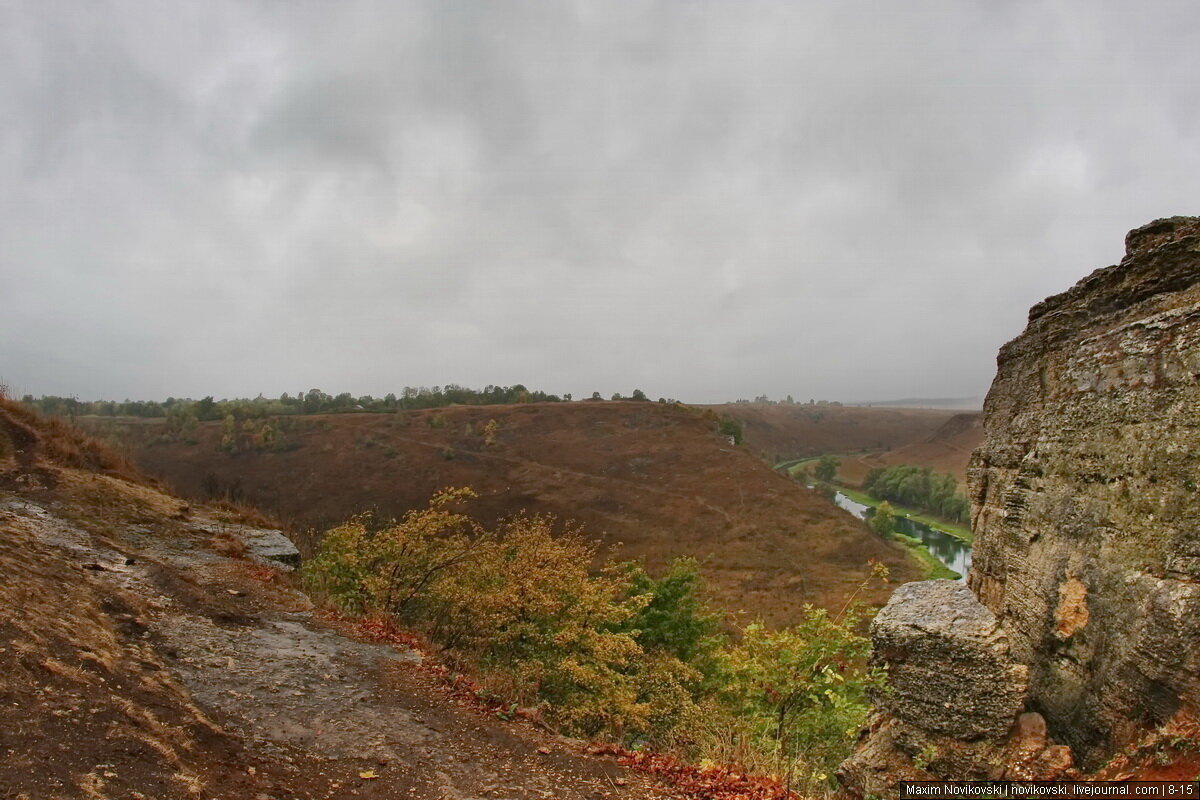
(604, 653)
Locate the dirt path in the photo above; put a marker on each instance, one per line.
(321, 714)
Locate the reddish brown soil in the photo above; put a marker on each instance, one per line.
(648, 480)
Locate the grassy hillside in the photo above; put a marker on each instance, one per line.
(947, 449)
(145, 652)
(649, 480)
(780, 432)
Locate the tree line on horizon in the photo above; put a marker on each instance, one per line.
(314, 401)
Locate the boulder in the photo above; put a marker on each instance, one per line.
(948, 662)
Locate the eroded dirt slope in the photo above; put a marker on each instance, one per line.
(143, 655)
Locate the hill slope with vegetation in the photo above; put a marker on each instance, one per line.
(649, 480)
(145, 651)
(948, 449)
(784, 431)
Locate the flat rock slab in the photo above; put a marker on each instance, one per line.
(262, 544)
(270, 545)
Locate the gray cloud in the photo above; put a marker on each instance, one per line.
(702, 199)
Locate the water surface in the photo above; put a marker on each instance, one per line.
(950, 550)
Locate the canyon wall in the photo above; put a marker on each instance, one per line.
(1086, 495)
(1086, 512)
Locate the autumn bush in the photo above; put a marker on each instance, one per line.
(613, 653)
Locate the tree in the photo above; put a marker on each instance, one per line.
(797, 692)
(206, 409)
(489, 432)
(826, 490)
(638, 394)
(675, 619)
(883, 521)
(826, 469)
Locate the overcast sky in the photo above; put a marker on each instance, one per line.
(704, 200)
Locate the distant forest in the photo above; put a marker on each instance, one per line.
(314, 401)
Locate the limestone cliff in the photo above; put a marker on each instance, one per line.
(953, 694)
(1086, 512)
(1086, 507)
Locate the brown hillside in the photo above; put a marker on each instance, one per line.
(948, 449)
(781, 431)
(143, 654)
(650, 481)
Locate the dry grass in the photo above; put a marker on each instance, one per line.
(81, 679)
(71, 673)
(58, 441)
(246, 514)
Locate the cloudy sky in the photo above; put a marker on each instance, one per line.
(704, 200)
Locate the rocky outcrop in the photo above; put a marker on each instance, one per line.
(1086, 495)
(264, 545)
(943, 649)
(954, 693)
(1085, 500)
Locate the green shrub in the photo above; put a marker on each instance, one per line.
(615, 653)
(826, 469)
(392, 569)
(674, 619)
(731, 427)
(883, 521)
(799, 696)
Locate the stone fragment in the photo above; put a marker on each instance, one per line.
(270, 545)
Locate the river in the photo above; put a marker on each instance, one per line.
(951, 551)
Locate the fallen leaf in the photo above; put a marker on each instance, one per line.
(367, 774)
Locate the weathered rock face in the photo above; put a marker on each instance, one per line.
(1086, 511)
(954, 693)
(1086, 495)
(953, 690)
(943, 649)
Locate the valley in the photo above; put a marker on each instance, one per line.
(650, 481)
